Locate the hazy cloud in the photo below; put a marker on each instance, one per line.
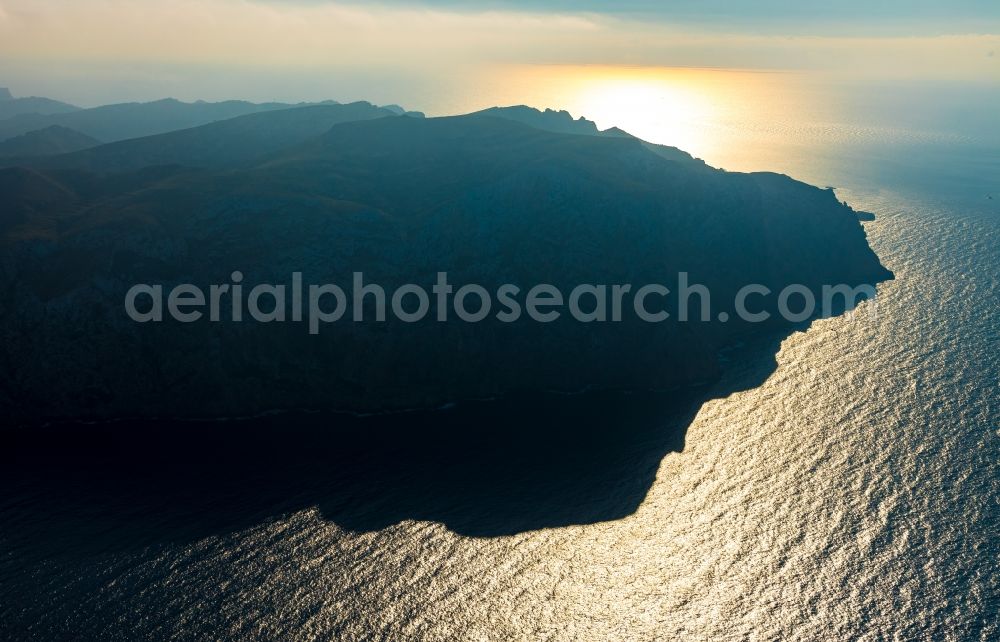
(144, 36)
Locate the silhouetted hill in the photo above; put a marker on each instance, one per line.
(11, 106)
(550, 120)
(228, 143)
(487, 199)
(616, 132)
(28, 197)
(663, 151)
(42, 142)
(399, 111)
(131, 120)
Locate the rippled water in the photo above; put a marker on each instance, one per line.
(852, 494)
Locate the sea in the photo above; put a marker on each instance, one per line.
(839, 483)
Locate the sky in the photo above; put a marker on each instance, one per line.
(95, 51)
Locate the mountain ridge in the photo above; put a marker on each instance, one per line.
(231, 142)
(51, 140)
(487, 199)
(11, 106)
(120, 121)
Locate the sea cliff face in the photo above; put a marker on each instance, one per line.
(485, 198)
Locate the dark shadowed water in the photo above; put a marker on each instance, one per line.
(841, 485)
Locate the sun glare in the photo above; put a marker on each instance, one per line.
(710, 113)
(658, 111)
(671, 106)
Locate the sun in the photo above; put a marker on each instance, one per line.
(651, 108)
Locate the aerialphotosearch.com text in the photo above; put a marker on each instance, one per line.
(319, 304)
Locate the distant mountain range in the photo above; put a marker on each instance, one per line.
(234, 142)
(507, 195)
(11, 106)
(110, 123)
